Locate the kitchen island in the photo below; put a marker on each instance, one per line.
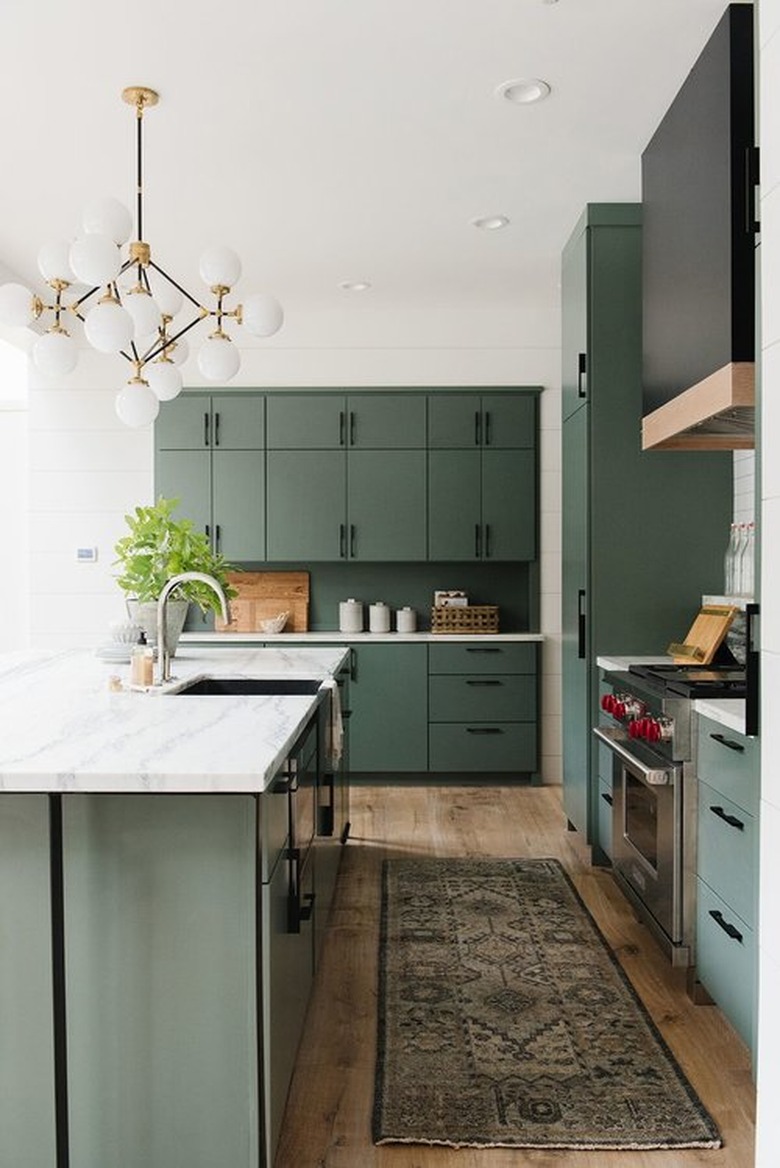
(152, 980)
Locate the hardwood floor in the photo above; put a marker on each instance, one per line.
(328, 1118)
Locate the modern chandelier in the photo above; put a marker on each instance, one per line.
(132, 304)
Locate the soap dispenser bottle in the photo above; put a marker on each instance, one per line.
(142, 662)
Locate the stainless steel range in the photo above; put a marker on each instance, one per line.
(647, 727)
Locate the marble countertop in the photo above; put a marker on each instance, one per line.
(350, 638)
(63, 729)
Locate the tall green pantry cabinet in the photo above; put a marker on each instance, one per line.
(643, 533)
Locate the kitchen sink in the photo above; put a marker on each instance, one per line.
(233, 686)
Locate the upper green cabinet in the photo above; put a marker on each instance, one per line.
(226, 421)
(460, 421)
(324, 421)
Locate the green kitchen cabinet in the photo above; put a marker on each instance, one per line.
(326, 505)
(327, 421)
(484, 420)
(389, 701)
(210, 454)
(630, 583)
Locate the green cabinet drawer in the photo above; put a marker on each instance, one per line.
(726, 960)
(606, 761)
(454, 698)
(605, 817)
(491, 657)
(729, 762)
(479, 746)
(727, 850)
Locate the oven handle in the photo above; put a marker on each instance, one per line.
(653, 776)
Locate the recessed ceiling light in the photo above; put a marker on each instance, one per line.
(354, 285)
(524, 90)
(491, 222)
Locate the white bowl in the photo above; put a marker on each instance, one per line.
(274, 624)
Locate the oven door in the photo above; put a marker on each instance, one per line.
(647, 836)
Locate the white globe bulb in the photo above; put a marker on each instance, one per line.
(55, 354)
(261, 315)
(109, 217)
(220, 265)
(16, 305)
(95, 259)
(180, 352)
(165, 379)
(219, 359)
(169, 298)
(143, 310)
(136, 405)
(53, 261)
(108, 327)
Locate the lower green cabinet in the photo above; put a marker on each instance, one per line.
(388, 730)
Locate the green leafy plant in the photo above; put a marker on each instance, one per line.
(158, 547)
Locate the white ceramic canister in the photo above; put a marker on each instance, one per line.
(351, 616)
(406, 620)
(379, 617)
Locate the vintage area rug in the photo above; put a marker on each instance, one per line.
(505, 1020)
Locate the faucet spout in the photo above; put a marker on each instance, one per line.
(163, 653)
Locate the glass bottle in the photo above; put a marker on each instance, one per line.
(729, 561)
(747, 562)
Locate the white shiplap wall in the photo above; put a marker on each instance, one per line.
(768, 1131)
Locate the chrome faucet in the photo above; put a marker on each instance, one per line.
(163, 653)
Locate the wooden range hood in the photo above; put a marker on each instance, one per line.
(716, 414)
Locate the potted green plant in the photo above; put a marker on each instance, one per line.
(157, 547)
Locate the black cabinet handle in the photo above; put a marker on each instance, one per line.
(581, 628)
(731, 820)
(488, 542)
(216, 429)
(487, 649)
(488, 681)
(352, 427)
(752, 225)
(752, 668)
(342, 541)
(728, 742)
(217, 537)
(484, 730)
(727, 926)
(206, 429)
(327, 810)
(488, 429)
(477, 541)
(607, 798)
(582, 373)
(208, 532)
(305, 911)
(353, 665)
(352, 541)
(342, 427)
(477, 428)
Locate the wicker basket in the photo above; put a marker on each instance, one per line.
(469, 618)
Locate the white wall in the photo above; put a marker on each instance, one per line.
(768, 1133)
(88, 470)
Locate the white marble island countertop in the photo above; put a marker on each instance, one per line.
(62, 729)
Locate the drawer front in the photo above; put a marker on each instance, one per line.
(510, 657)
(511, 698)
(606, 764)
(726, 965)
(605, 817)
(500, 746)
(727, 849)
(729, 762)
(274, 826)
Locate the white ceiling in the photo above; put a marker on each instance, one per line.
(333, 140)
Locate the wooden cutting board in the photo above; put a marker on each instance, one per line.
(262, 595)
(704, 636)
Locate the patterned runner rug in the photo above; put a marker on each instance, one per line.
(505, 1020)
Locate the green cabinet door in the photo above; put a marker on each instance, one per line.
(386, 421)
(462, 420)
(454, 511)
(184, 423)
(508, 421)
(306, 421)
(576, 693)
(388, 729)
(508, 505)
(27, 1129)
(454, 420)
(238, 499)
(306, 512)
(575, 332)
(186, 475)
(386, 507)
(237, 421)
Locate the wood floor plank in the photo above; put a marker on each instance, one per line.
(328, 1118)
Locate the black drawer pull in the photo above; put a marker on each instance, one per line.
(487, 649)
(484, 730)
(731, 820)
(728, 742)
(607, 798)
(727, 926)
(489, 681)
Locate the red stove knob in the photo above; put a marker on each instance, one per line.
(607, 702)
(635, 728)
